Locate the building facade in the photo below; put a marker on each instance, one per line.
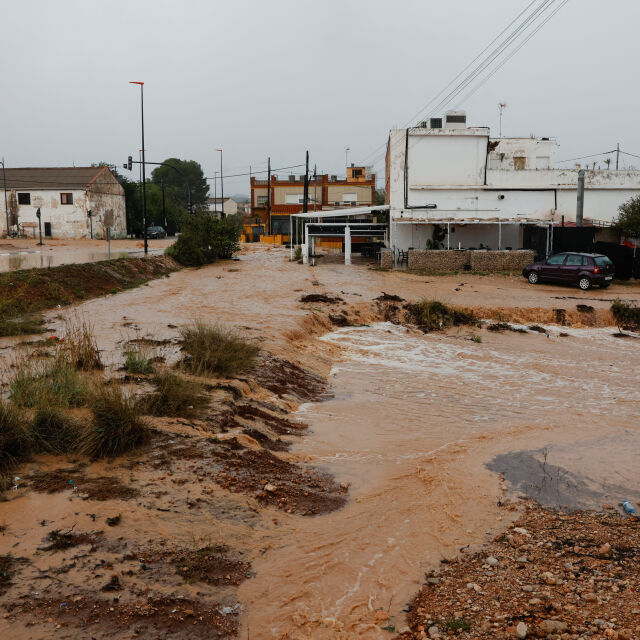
(271, 205)
(216, 205)
(64, 196)
(486, 192)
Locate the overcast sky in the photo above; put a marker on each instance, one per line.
(277, 77)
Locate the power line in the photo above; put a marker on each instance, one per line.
(253, 173)
(593, 155)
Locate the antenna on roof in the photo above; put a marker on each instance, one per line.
(501, 107)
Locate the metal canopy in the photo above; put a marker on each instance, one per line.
(342, 213)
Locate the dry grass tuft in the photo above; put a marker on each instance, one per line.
(216, 351)
(80, 346)
(53, 431)
(16, 441)
(138, 359)
(432, 315)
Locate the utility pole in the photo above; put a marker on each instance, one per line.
(144, 177)
(617, 155)
(6, 208)
(346, 157)
(580, 208)
(164, 211)
(315, 187)
(501, 108)
(305, 195)
(269, 195)
(215, 191)
(221, 186)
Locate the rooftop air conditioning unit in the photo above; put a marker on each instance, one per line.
(334, 178)
(423, 124)
(455, 119)
(292, 178)
(435, 123)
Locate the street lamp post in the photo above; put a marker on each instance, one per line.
(221, 186)
(90, 216)
(215, 192)
(144, 178)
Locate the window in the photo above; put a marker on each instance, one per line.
(293, 198)
(357, 173)
(574, 261)
(24, 198)
(350, 198)
(559, 259)
(262, 201)
(603, 261)
(66, 198)
(519, 162)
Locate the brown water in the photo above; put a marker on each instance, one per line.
(414, 421)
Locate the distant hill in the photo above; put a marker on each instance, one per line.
(240, 198)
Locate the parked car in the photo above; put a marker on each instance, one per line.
(582, 269)
(156, 232)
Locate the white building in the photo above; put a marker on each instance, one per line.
(486, 192)
(64, 197)
(216, 205)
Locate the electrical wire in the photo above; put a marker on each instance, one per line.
(594, 155)
(253, 173)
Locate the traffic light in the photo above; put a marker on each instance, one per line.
(128, 164)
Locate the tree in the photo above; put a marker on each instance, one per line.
(628, 220)
(175, 181)
(379, 196)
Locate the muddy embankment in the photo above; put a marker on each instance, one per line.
(155, 543)
(31, 291)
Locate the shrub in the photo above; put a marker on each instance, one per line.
(204, 239)
(16, 442)
(431, 315)
(627, 315)
(54, 382)
(80, 346)
(174, 396)
(116, 425)
(137, 359)
(215, 350)
(53, 431)
(22, 326)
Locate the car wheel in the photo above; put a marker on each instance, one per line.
(584, 283)
(533, 278)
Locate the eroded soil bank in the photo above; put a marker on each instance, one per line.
(406, 439)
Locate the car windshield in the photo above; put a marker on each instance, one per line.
(602, 261)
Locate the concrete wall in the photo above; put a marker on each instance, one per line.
(386, 259)
(336, 193)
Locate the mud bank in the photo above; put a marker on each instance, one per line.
(157, 542)
(35, 290)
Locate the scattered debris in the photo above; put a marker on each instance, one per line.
(320, 297)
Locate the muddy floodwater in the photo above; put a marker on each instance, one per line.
(432, 435)
(414, 423)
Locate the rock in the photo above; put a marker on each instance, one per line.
(521, 531)
(521, 630)
(522, 559)
(474, 586)
(492, 562)
(433, 581)
(552, 626)
(339, 319)
(271, 488)
(189, 612)
(590, 597)
(434, 632)
(404, 629)
(549, 578)
(605, 551)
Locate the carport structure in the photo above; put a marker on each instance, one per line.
(340, 223)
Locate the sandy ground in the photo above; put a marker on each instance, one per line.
(26, 253)
(404, 444)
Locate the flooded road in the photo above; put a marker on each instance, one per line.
(414, 422)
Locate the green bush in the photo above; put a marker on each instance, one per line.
(204, 239)
(627, 315)
(137, 359)
(432, 315)
(116, 425)
(54, 382)
(174, 396)
(215, 350)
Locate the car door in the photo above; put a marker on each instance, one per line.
(551, 269)
(572, 268)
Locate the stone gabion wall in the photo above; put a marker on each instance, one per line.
(386, 259)
(436, 261)
(500, 260)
